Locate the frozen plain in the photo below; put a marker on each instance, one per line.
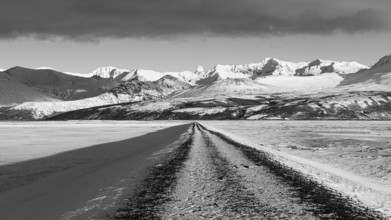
(22, 141)
(351, 156)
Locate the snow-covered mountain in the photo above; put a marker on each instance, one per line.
(319, 66)
(226, 87)
(310, 84)
(110, 85)
(188, 76)
(108, 72)
(129, 91)
(171, 84)
(273, 75)
(151, 75)
(42, 109)
(276, 67)
(44, 68)
(143, 75)
(47, 84)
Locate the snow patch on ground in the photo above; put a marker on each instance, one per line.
(352, 168)
(302, 83)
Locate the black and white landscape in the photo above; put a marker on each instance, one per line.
(270, 89)
(195, 109)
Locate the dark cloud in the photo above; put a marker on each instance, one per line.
(95, 19)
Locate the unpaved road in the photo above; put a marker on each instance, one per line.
(175, 173)
(212, 177)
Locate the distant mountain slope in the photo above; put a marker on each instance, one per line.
(141, 74)
(319, 66)
(61, 85)
(276, 67)
(189, 77)
(269, 89)
(109, 72)
(170, 84)
(130, 91)
(13, 92)
(377, 78)
(226, 87)
(264, 85)
(42, 109)
(304, 84)
(145, 75)
(337, 106)
(151, 75)
(147, 90)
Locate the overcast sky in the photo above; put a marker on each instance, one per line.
(174, 35)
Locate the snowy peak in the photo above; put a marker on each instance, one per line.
(187, 76)
(200, 70)
(108, 72)
(268, 67)
(272, 67)
(275, 67)
(319, 66)
(171, 82)
(147, 75)
(229, 72)
(44, 68)
(348, 67)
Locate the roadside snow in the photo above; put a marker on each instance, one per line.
(351, 157)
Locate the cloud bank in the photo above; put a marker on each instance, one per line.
(96, 19)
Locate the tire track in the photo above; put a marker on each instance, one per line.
(234, 196)
(210, 188)
(156, 188)
(210, 176)
(324, 202)
(272, 199)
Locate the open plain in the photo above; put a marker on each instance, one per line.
(185, 170)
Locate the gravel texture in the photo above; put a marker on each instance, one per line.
(211, 176)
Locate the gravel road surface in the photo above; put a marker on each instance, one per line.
(213, 177)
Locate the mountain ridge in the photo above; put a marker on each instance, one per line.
(269, 77)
